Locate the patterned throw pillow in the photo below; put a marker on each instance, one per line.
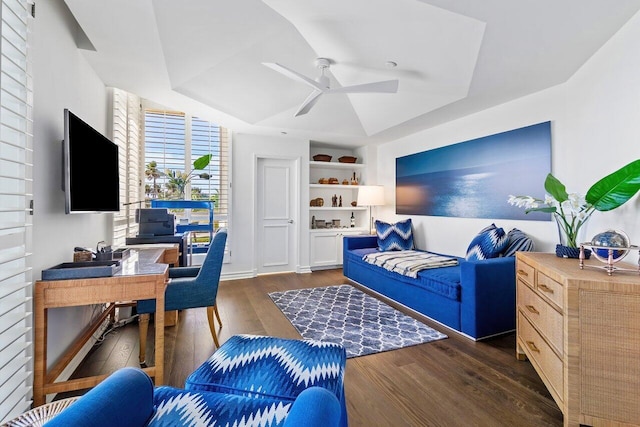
(394, 237)
(489, 243)
(517, 241)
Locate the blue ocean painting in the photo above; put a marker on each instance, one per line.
(474, 179)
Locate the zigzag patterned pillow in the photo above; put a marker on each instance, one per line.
(489, 243)
(394, 237)
(517, 241)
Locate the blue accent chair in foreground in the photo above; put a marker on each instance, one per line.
(190, 287)
(128, 398)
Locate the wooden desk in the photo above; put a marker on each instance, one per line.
(140, 277)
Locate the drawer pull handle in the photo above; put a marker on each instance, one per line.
(532, 346)
(532, 309)
(545, 288)
(523, 273)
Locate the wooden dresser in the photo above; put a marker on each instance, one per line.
(581, 331)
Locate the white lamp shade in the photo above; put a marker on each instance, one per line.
(370, 195)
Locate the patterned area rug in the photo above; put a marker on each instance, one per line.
(345, 315)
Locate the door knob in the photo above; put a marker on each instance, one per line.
(290, 221)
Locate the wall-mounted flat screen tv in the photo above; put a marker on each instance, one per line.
(91, 173)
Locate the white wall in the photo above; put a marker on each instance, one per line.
(61, 79)
(246, 149)
(595, 130)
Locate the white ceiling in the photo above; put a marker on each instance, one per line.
(454, 57)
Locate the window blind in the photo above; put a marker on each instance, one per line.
(16, 157)
(126, 134)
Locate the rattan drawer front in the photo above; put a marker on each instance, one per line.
(547, 364)
(542, 315)
(526, 273)
(551, 289)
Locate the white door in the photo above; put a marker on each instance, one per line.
(277, 215)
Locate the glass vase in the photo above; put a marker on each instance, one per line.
(569, 240)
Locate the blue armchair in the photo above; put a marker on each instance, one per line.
(127, 398)
(189, 287)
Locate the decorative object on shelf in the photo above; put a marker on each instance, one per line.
(335, 223)
(323, 181)
(610, 243)
(320, 223)
(345, 182)
(352, 220)
(609, 247)
(340, 201)
(354, 203)
(333, 181)
(322, 158)
(334, 201)
(347, 159)
(370, 195)
(354, 180)
(313, 222)
(571, 210)
(317, 202)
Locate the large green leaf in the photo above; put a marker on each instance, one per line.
(202, 162)
(555, 188)
(615, 189)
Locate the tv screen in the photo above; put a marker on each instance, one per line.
(91, 174)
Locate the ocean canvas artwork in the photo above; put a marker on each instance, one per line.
(473, 179)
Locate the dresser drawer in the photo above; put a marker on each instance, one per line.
(542, 315)
(525, 272)
(547, 363)
(551, 289)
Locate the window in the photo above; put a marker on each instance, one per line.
(172, 142)
(16, 149)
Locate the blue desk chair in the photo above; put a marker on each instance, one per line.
(189, 287)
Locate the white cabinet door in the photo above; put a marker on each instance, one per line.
(324, 249)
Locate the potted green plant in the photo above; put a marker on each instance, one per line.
(571, 210)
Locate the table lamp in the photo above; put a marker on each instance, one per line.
(370, 195)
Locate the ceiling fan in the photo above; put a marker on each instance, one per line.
(321, 84)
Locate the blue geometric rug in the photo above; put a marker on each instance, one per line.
(345, 315)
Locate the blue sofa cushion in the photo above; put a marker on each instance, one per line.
(260, 366)
(175, 407)
(488, 243)
(443, 281)
(517, 241)
(394, 237)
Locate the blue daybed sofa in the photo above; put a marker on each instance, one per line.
(475, 298)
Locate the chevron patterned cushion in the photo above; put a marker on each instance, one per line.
(259, 366)
(517, 241)
(395, 237)
(488, 243)
(175, 407)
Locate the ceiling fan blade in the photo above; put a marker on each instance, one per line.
(308, 103)
(293, 74)
(387, 86)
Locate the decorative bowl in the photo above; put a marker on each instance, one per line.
(322, 158)
(607, 240)
(347, 159)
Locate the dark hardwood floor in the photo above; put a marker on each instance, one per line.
(452, 382)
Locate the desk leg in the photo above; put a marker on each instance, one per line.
(40, 348)
(159, 324)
